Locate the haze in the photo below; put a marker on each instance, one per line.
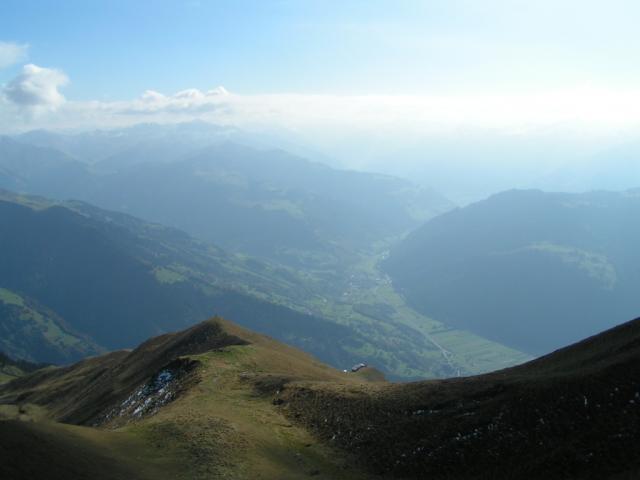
(474, 97)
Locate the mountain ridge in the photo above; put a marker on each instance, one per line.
(513, 422)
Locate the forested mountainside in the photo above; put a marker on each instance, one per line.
(78, 280)
(529, 269)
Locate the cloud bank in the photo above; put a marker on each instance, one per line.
(191, 100)
(583, 114)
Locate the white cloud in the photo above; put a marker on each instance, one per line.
(192, 101)
(37, 87)
(11, 53)
(581, 114)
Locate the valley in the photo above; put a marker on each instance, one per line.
(370, 303)
(227, 194)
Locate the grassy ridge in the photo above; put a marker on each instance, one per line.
(252, 407)
(223, 426)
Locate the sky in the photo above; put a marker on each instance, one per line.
(117, 49)
(354, 77)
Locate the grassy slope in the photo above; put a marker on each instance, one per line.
(572, 414)
(11, 368)
(7, 376)
(45, 449)
(256, 400)
(226, 426)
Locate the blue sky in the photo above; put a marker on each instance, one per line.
(118, 49)
(385, 85)
(330, 72)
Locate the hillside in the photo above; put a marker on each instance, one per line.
(196, 404)
(218, 401)
(30, 330)
(11, 368)
(529, 269)
(572, 414)
(79, 280)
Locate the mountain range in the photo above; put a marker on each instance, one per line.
(270, 203)
(294, 234)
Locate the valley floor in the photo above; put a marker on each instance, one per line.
(424, 347)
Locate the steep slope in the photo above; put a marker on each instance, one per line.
(529, 269)
(197, 403)
(76, 279)
(103, 383)
(28, 330)
(572, 414)
(218, 401)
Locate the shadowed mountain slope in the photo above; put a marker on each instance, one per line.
(529, 269)
(572, 414)
(11, 368)
(77, 280)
